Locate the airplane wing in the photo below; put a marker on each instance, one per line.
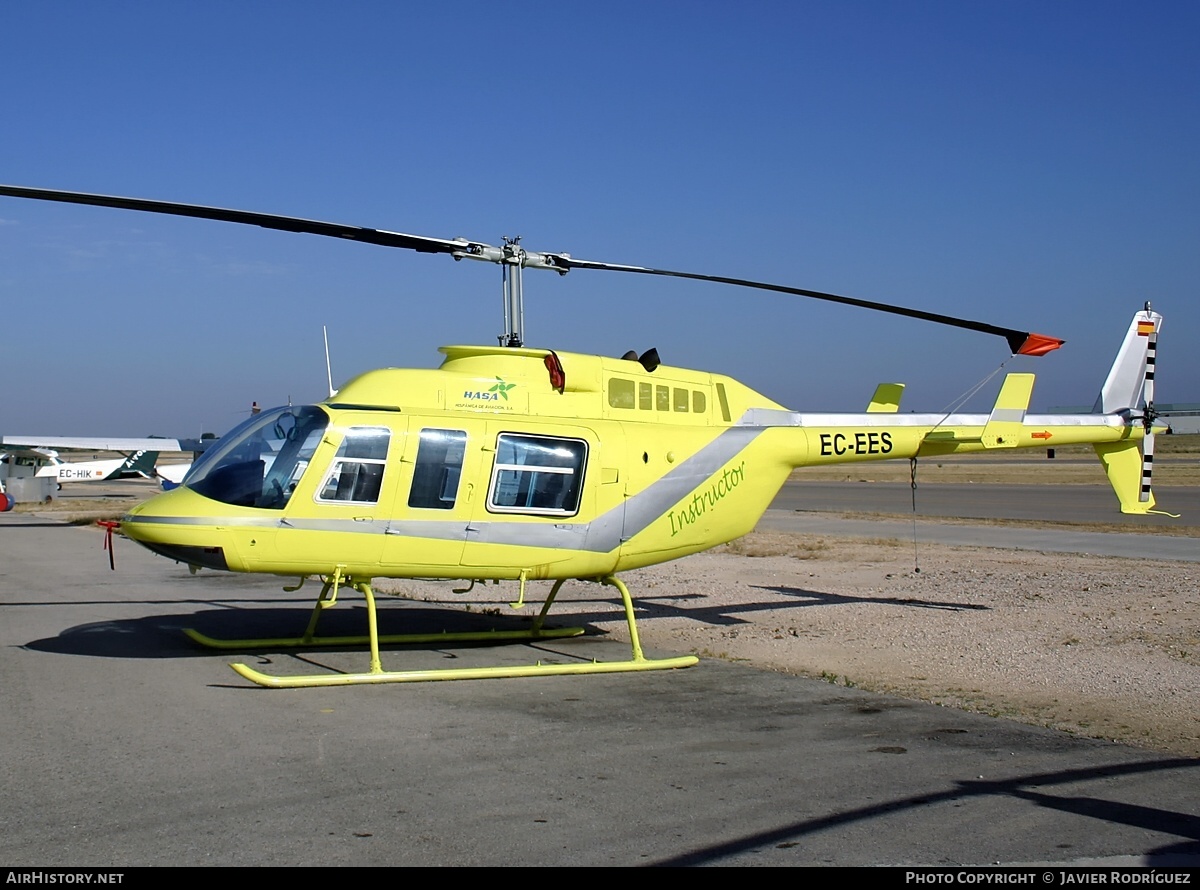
(82, 443)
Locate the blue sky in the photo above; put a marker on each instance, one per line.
(1033, 165)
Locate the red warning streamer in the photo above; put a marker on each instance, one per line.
(108, 526)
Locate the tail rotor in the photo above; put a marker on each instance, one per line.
(1148, 414)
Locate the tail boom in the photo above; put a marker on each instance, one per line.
(854, 438)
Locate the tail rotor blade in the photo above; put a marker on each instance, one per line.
(1147, 466)
(1148, 418)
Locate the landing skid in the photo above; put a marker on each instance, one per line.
(485, 636)
(376, 673)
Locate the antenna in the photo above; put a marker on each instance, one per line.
(328, 372)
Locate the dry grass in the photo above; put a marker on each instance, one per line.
(88, 511)
(81, 511)
(764, 544)
(767, 544)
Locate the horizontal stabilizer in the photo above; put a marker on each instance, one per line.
(1007, 420)
(886, 399)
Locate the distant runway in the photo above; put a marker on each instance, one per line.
(811, 508)
(1047, 503)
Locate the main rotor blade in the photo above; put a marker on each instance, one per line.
(265, 220)
(1019, 342)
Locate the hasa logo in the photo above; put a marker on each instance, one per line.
(494, 394)
(501, 388)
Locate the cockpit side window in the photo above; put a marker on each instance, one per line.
(357, 471)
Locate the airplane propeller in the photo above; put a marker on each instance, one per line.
(513, 258)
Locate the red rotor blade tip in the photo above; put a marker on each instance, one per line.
(1039, 344)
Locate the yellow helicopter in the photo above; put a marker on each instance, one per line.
(525, 464)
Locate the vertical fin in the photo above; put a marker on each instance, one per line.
(140, 463)
(144, 463)
(1122, 390)
(1130, 385)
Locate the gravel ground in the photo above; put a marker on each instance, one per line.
(1100, 647)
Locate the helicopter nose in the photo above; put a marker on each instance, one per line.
(180, 525)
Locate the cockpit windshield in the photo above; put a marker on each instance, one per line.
(259, 463)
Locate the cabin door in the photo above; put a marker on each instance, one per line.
(434, 498)
(546, 499)
(337, 511)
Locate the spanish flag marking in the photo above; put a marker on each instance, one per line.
(1145, 328)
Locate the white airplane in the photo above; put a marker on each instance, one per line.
(139, 465)
(31, 469)
(28, 462)
(172, 474)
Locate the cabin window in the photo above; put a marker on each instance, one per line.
(699, 403)
(662, 398)
(537, 474)
(620, 393)
(645, 396)
(439, 466)
(682, 397)
(357, 471)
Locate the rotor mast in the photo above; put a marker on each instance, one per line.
(514, 297)
(512, 259)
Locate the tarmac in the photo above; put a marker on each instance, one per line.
(127, 745)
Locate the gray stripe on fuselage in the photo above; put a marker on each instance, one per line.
(650, 504)
(236, 521)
